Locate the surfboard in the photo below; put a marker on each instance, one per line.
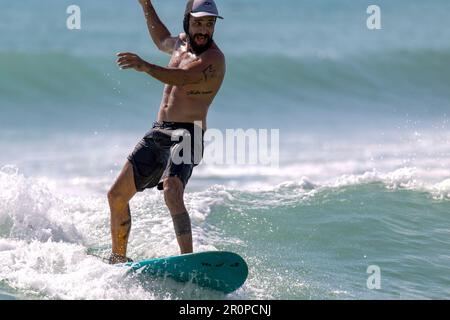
(217, 270)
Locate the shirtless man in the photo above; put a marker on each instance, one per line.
(192, 80)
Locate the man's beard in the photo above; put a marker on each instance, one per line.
(199, 49)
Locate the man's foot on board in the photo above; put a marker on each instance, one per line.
(115, 258)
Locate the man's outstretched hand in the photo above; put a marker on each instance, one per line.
(129, 60)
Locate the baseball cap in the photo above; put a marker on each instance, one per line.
(202, 8)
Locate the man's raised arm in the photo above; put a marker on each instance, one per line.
(158, 31)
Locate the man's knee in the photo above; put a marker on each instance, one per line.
(123, 189)
(173, 191)
(117, 198)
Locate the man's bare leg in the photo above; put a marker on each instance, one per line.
(173, 195)
(118, 197)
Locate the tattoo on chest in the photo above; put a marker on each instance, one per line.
(197, 92)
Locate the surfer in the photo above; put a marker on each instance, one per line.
(192, 79)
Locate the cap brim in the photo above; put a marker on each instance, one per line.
(205, 14)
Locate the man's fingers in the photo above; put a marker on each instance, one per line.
(127, 66)
(124, 54)
(121, 64)
(125, 59)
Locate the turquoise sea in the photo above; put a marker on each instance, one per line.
(364, 163)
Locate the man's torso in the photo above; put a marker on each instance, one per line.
(188, 103)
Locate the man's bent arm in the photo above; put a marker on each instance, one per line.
(208, 68)
(174, 76)
(158, 31)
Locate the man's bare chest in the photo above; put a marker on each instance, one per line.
(181, 58)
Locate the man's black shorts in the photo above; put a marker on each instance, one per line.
(160, 154)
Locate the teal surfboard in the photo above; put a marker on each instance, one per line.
(217, 270)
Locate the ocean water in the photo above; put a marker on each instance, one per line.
(364, 153)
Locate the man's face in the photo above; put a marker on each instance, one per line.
(201, 31)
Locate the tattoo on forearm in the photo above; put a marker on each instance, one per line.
(166, 76)
(209, 72)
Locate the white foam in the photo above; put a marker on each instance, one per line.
(34, 212)
(63, 271)
(401, 178)
(441, 190)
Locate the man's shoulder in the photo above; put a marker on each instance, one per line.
(214, 53)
